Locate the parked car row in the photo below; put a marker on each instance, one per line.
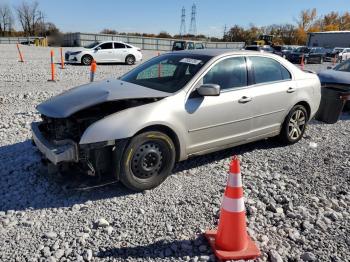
(309, 54)
(118, 52)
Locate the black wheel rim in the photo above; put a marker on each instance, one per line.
(148, 160)
(130, 60)
(87, 60)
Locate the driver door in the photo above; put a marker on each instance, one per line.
(220, 121)
(104, 52)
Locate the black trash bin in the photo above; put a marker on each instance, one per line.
(332, 104)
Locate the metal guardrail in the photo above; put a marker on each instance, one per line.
(145, 43)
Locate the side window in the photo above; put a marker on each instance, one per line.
(190, 45)
(229, 73)
(268, 70)
(118, 45)
(108, 45)
(285, 73)
(199, 46)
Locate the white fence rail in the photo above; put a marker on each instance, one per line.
(145, 43)
(17, 40)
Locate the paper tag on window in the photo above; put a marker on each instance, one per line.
(190, 61)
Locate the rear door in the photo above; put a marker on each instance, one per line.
(273, 93)
(105, 52)
(120, 52)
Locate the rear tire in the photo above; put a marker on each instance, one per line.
(86, 60)
(293, 127)
(147, 161)
(130, 60)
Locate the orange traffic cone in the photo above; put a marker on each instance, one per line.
(302, 62)
(231, 240)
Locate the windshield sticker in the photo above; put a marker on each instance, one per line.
(190, 61)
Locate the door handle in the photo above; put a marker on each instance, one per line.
(245, 99)
(291, 90)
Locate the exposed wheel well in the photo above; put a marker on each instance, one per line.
(307, 107)
(168, 131)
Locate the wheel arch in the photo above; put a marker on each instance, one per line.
(307, 107)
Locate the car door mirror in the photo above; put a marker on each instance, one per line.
(98, 48)
(209, 90)
(329, 67)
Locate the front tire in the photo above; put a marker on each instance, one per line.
(294, 125)
(86, 60)
(130, 60)
(147, 161)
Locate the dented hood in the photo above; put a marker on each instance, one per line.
(88, 95)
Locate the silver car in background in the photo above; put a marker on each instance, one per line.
(172, 107)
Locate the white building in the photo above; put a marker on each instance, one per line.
(329, 39)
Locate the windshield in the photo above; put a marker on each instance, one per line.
(302, 49)
(344, 67)
(92, 45)
(168, 73)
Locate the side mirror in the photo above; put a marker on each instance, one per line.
(97, 48)
(329, 67)
(209, 90)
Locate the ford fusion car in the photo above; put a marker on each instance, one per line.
(105, 52)
(172, 107)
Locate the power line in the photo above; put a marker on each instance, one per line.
(183, 21)
(193, 26)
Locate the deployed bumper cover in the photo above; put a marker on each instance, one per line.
(56, 151)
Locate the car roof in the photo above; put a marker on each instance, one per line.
(218, 52)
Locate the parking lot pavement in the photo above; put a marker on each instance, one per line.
(297, 197)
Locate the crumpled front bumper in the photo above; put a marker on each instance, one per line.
(56, 151)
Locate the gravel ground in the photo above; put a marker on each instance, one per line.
(297, 197)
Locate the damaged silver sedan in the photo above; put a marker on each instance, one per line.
(172, 107)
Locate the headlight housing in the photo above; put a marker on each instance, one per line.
(75, 53)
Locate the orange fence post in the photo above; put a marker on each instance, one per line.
(92, 70)
(62, 59)
(52, 67)
(20, 54)
(302, 62)
(159, 67)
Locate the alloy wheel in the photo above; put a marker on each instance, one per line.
(296, 124)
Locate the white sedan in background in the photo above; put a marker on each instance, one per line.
(105, 52)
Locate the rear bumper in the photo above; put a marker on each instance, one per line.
(56, 151)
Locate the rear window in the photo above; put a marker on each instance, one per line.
(179, 45)
(253, 48)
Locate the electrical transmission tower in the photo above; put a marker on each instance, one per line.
(193, 27)
(183, 21)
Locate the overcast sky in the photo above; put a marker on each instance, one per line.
(153, 16)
